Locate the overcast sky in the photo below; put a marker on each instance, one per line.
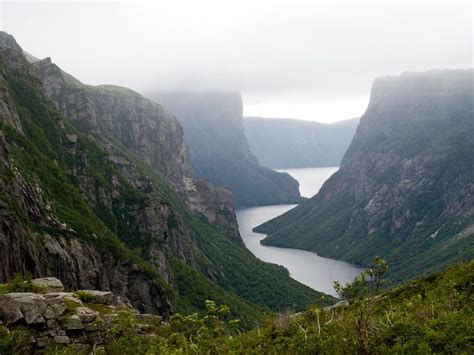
(297, 59)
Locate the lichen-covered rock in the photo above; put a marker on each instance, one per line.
(59, 302)
(49, 284)
(102, 297)
(35, 308)
(28, 306)
(86, 315)
(61, 339)
(10, 311)
(72, 322)
(62, 318)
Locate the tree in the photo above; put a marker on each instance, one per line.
(360, 296)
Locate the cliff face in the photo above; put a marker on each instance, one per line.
(33, 235)
(405, 188)
(143, 128)
(137, 123)
(84, 208)
(289, 143)
(219, 149)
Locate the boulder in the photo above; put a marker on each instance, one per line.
(86, 315)
(61, 296)
(102, 297)
(10, 311)
(122, 302)
(71, 137)
(22, 305)
(60, 301)
(56, 307)
(50, 284)
(72, 323)
(62, 339)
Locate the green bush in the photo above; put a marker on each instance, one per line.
(21, 283)
(13, 342)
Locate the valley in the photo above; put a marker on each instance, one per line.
(306, 267)
(404, 190)
(236, 178)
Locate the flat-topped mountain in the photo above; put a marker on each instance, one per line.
(405, 187)
(289, 143)
(214, 131)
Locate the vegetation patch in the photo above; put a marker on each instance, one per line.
(21, 283)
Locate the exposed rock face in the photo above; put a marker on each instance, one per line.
(215, 133)
(88, 211)
(405, 188)
(145, 129)
(77, 262)
(8, 41)
(216, 205)
(289, 143)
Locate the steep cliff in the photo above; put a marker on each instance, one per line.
(87, 210)
(215, 133)
(405, 188)
(112, 114)
(289, 143)
(46, 227)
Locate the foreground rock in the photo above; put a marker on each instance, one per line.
(82, 318)
(50, 284)
(102, 297)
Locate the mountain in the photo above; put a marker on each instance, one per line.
(405, 187)
(118, 116)
(97, 190)
(214, 131)
(289, 143)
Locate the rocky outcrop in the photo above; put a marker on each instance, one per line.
(79, 264)
(216, 205)
(405, 188)
(63, 317)
(219, 149)
(8, 41)
(142, 127)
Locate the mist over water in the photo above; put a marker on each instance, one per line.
(310, 269)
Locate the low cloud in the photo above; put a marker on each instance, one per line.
(323, 52)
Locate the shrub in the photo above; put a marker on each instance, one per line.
(21, 283)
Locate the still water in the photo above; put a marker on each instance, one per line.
(317, 272)
(310, 179)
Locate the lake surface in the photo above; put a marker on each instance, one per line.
(310, 179)
(317, 272)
